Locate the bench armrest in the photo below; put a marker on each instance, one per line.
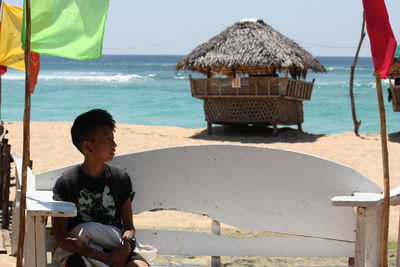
(359, 200)
(41, 203)
(367, 199)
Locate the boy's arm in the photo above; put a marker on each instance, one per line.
(120, 254)
(128, 229)
(73, 244)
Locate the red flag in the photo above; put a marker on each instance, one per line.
(35, 67)
(3, 69)
(383, 43)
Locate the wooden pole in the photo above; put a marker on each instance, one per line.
(26, 140)
(386, 181)
(1, 89)
(0, 75)
(356, 122)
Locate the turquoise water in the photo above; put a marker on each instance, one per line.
(147, 90)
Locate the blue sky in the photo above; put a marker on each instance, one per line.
(175, 27)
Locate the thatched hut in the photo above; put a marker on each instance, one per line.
(247, 90)
(394, 76)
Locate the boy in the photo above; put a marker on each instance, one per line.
(93, 191)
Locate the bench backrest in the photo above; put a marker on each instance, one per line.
(246, 187)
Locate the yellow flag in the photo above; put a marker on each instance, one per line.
(11, 53)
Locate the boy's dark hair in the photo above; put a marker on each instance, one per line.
(86, 125)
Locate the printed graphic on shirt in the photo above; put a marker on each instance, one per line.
(98, 207)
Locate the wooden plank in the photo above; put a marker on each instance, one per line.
(359, 200)
(298, 88)
(360, 238)
(290, 88)
(197, 244)
(308, 92)
(215, 230)
(40, 223)
(18, 173)
(303, 91)
(296, 98)
(30, 244)
(41, 203)
(308, 96)
(192, 87)
(373, 237)
(15, 223)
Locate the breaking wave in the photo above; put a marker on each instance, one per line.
(80, 77)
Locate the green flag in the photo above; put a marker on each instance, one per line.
(67, 28)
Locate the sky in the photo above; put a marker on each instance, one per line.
(176, 27)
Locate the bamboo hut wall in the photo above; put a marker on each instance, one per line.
(252, 87)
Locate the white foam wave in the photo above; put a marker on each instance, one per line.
(345, 68)
(91, 77)
(13, 77)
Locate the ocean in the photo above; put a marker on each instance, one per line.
(147, 90)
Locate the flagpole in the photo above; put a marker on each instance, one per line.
(386, 180)
(26, 140)
(1, 89)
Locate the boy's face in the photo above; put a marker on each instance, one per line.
(102, 148)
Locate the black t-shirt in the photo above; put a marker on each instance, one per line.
(96, 199)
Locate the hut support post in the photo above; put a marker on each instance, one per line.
(386, 181)
(356, 122)
(208, 73)
(26, 138)
(299, 127)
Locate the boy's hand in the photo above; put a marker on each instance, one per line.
(120, 255)
(94, 253)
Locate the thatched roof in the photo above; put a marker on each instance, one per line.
(250, 47)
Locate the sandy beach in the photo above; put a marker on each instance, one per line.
(51, 148)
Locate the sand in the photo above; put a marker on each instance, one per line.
(51, 148)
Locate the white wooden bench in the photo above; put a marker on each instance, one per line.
(243, 186)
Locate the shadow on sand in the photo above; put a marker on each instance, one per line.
(253, 134)
(394, 137)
